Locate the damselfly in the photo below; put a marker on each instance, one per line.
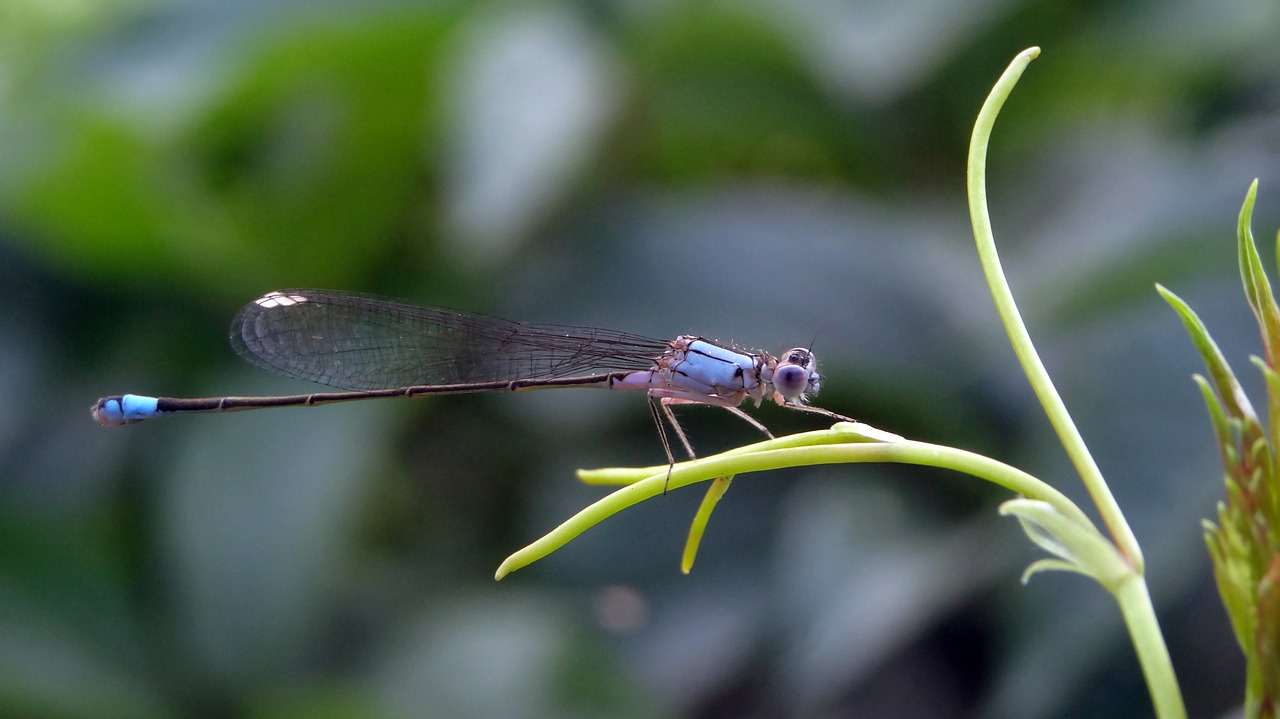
(371, 347)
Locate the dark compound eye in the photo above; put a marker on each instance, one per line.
(791, 380)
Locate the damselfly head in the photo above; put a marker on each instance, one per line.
(796, 374)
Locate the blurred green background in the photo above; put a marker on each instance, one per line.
(770, 173)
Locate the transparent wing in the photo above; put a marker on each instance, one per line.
(359, 342)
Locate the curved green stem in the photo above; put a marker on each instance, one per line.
(1144, 629)
(718, 487)
(1054, 407)
(1131, 594)
(837, 445)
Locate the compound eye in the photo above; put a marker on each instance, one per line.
(800, 357)
(791, 380)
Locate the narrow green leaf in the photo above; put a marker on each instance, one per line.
(1051, 565)
(1267, 638)
(1079, 545)
(1256, 285)
(1268, 497)
(1235, 456)
(1211, 532)
(1224, 380)
(1239, 611)
(718, 487)
(1218, 419)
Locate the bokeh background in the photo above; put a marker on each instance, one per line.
(776, 174)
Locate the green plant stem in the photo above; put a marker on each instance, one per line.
(1054, 407)
(651, 483)
(841, 433)
(1153, 655)
(1131, 594)
(715, 492)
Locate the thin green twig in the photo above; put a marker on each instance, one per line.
(1131, 593)
(833, 446)
(1037, 375)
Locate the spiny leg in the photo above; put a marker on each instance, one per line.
(751, 420)
(819, 411)
(662, 433)
(662, 430)
(715, 491)
(735, 409)
(671, 417)
(684, 439)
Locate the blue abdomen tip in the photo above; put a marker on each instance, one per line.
(127, 408)
(137, 407)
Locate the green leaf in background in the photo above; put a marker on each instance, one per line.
(725, 95)
(308, 157)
